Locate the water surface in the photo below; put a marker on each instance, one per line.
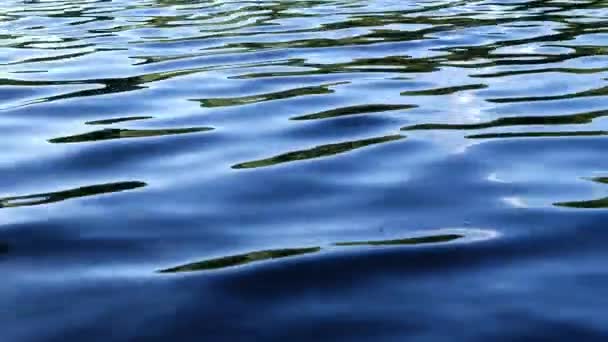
(330, 170)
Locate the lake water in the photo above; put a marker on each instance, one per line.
(318, 170)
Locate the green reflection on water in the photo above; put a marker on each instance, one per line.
(111, 133)
(536, 134)
(444, 91)
(241, 259)
(388, 64)
(352, 110)
(235, 101)
(51, 197)
(317, 152)
(117, 120)
(541, 71)
(108, 85)
(589, 204)
(588, 93)
(572, 119)
(407, 241)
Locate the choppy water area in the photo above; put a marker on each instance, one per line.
(303, 170)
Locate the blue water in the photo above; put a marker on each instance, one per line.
(288, 170)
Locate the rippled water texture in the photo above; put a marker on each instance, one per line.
(303, 170)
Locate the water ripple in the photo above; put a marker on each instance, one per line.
(265, 128)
